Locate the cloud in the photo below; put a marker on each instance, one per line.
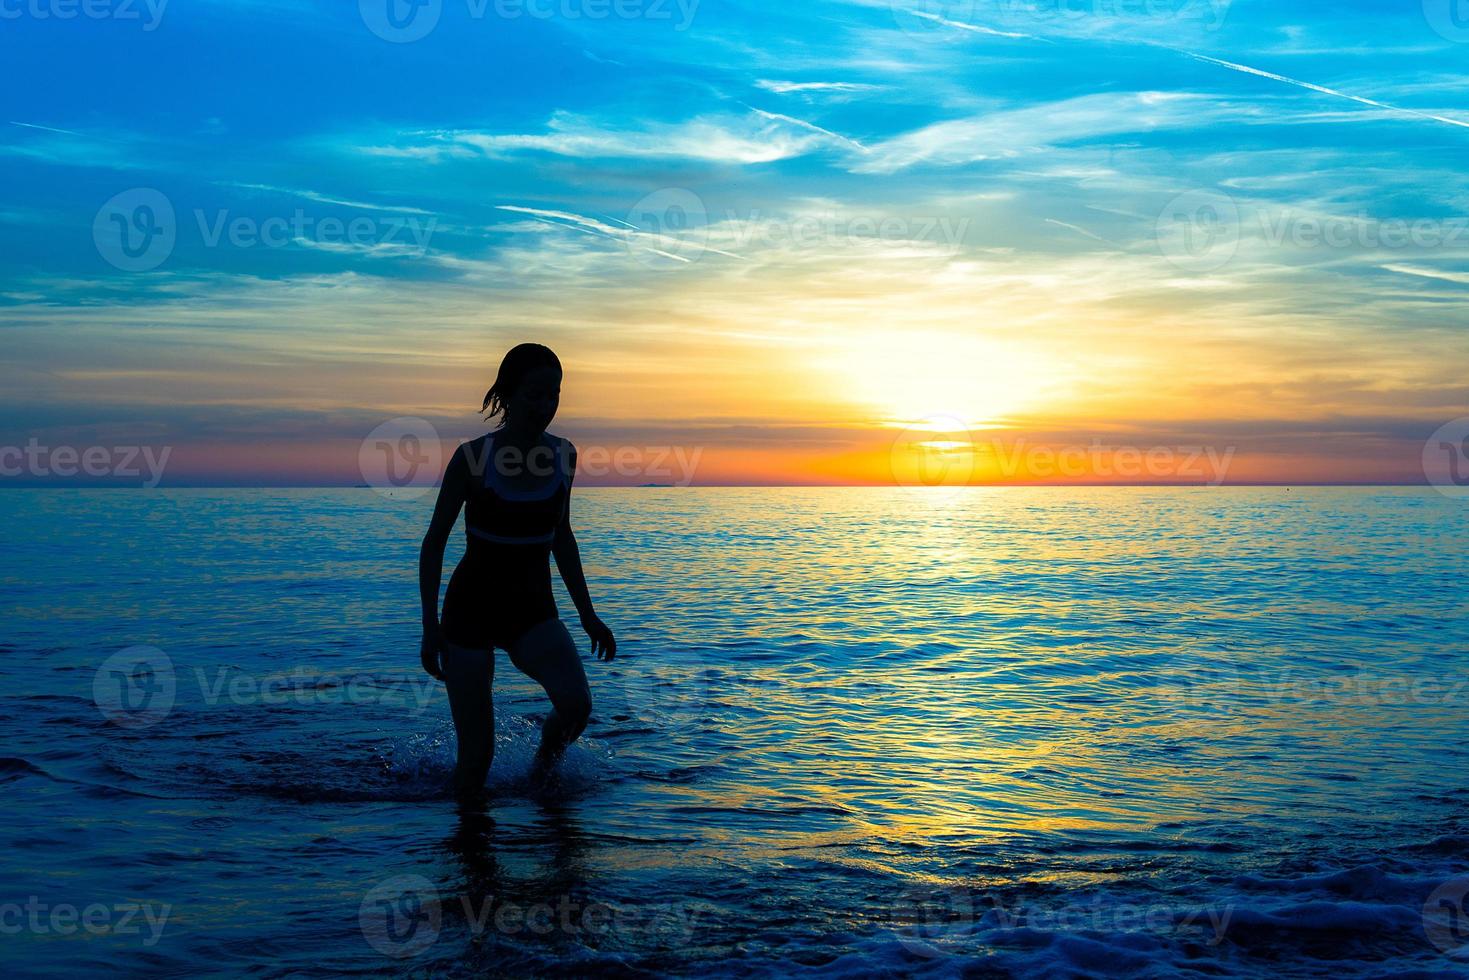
(1327, 91)
(1014, 132)
(839, 88)
(622, 231)
(962, 26)
(757, 137)
(1411, 270)
(47, 129)
(327, 199)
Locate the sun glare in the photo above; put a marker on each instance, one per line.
(931, 380)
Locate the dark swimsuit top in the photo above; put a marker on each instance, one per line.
(496, 513)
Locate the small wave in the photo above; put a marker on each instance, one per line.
(779, 811)
(12, 768)
(685, 775)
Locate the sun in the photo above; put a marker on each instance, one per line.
(915, 379)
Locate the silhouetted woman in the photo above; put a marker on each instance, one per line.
(515, 487)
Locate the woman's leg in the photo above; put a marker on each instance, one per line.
(546, 654)
(468, 676)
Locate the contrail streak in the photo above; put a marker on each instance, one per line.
(1324, 90)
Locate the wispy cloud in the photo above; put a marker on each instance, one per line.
(328, 199)
(1413, 270)
(48, 129)
(842, 88)
(622, 231)
(1327, 91)
(963, 26)
(811, 127)
(1014, 132)
(754, 138)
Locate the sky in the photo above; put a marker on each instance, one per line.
(832, 241)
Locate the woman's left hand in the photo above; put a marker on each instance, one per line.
(604, 644)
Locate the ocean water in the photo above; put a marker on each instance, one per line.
(1009, 732)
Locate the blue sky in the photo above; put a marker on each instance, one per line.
(775, 230)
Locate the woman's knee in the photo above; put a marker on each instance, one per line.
(575, 708)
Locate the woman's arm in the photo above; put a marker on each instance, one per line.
(452, 492)
(568, 563)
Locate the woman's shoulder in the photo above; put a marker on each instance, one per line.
(472, 454)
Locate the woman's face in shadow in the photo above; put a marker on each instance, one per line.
(534, 403)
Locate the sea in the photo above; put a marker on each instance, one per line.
(980, 732)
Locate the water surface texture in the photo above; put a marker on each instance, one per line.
(1087, 732)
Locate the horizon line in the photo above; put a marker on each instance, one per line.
(74, 485)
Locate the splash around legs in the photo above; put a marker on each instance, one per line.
(547, 655)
